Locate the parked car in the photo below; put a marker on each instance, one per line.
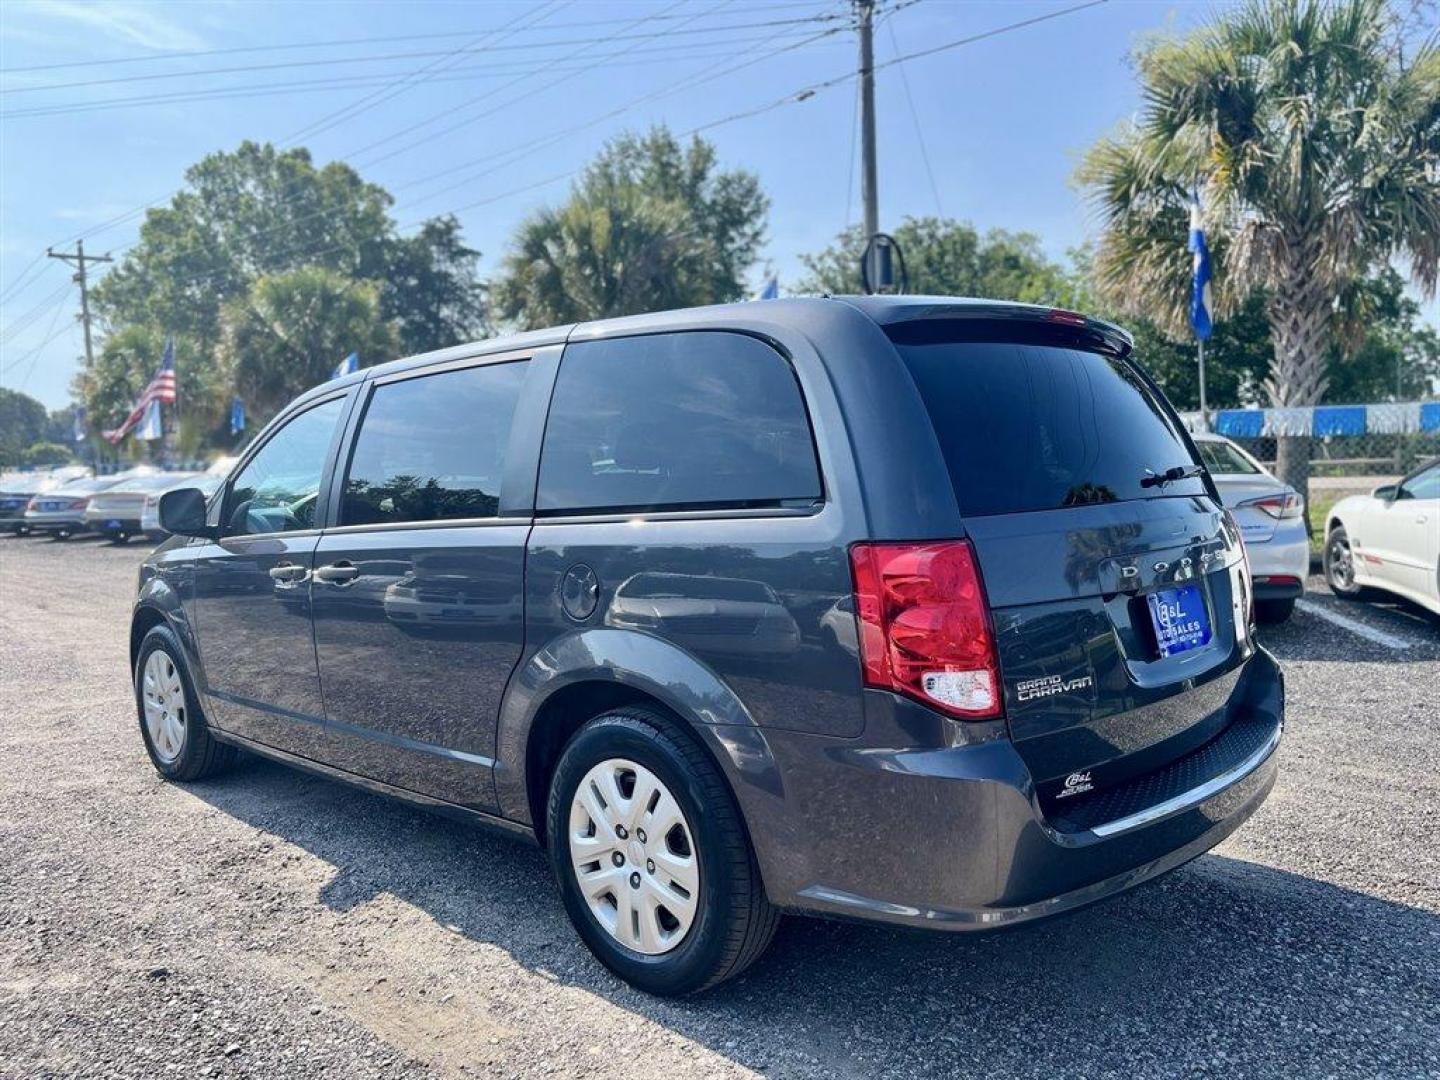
(18, 488)
(207, 482)
(1388, 540)
(118, 511)
(1271, 515)
(1055, 691)
(61, 511)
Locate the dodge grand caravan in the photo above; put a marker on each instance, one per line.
(917, 610)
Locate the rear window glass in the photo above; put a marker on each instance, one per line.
(1038, 424)
(676, 421)
(1222, 458)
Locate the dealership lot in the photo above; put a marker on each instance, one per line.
(270, 923)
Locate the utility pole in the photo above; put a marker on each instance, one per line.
(877, 271)
(79, 261)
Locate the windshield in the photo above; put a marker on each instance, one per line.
(1222, 458)
(1029, 423)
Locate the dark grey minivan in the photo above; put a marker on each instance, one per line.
(919, 610)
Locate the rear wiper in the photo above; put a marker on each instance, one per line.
(1170, 475)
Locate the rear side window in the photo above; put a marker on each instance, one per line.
(676, 421)
(1037, 423)
(433, 448)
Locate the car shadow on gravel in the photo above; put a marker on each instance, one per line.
(1222, 966)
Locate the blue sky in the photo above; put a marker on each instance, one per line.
(1003, 119)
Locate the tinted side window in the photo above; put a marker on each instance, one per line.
(278, 488)
(433, 448)
(684, 420)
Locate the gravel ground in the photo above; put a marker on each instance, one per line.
(273, 924)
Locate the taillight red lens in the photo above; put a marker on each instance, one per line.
(79, 504)
(925, 626)
(1248, 581)
(1288, 505)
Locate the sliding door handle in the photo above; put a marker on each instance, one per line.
(288, 572)
(337, 573)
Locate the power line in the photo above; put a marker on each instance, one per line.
(915, 118)
(19, 282)
(501, 89)
(387, 39)
(701, 77)
(379, 97)
(131, 214)
(23, 322)
(689, 82)
(651, 56)
(50, 335)
(378, 57)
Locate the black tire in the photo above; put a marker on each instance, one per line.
(201, 754)
(1339, 565)
(734, 920)
(1274, 611)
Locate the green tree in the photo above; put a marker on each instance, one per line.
(256, 212)
(1312, 141)
(39, 455)
(291, 329)
(945, 257)
(649, 225)
(22, 422)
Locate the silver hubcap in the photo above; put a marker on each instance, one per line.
(164, 697)
(1342, 567)
(634, 856)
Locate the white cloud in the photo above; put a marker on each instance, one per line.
(140, 24)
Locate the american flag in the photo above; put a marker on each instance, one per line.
(161, 389)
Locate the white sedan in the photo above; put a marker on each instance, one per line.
(1271, 517)
(1389, 539)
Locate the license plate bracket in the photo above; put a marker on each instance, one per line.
(1179, 619)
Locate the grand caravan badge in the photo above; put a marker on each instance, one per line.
(1049, 685)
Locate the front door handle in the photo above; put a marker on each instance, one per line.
(337, 573)
(288, 572)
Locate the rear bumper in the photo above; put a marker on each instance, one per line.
(47, 520)
(955, 839)
(1285, 557)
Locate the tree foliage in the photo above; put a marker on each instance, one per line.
(23, 421)
(291, 329)
(945, 257)
(258, 213)
(651, 224)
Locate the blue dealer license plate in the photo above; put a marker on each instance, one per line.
(1179, 618)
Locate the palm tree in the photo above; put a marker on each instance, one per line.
(1313, 143)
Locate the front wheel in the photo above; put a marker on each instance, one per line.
(172, 724)
(1340, 564)
(652, 857)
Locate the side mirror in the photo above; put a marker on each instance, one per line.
(182, 512)
(1385, 491)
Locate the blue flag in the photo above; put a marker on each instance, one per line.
(348, 366)
(237, 416)
(1200, 283)
(771, 289)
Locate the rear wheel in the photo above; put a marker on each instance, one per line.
(1340, 564)
(172, 724)
(652, 858)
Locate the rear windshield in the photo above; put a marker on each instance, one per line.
(1222, 458)
(1039, 423)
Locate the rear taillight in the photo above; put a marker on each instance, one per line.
(33, 503)
(925, 626)
(1247, 580)
(1288, 505)
(79, 504)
